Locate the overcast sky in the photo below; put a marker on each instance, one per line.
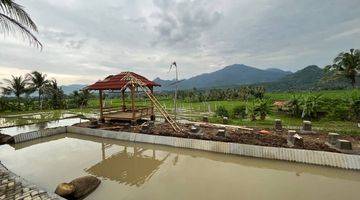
(86, 40)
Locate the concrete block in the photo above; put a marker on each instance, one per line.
(221, 132)
(344, 144)
(194, 129)
(297, 140)
(225, 120)
(205, 119)
(307, 126)
(291, 133)
(332, 138)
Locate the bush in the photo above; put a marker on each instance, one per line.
(355, 107)
(338, 112)
(222, 112)
(239, 111)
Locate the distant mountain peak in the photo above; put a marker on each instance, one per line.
(231, 75)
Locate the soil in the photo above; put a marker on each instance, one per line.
(254, 136)
(4, 139)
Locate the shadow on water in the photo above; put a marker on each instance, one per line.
(134, 168)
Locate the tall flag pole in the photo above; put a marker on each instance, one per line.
(176, 86)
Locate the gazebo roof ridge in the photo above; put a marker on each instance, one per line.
(116, 82)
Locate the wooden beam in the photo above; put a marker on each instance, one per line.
(101, 104)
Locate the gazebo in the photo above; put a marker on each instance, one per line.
(121, 82)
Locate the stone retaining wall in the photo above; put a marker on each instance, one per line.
(14, 187)
(345, 161)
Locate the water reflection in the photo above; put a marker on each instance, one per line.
(131, 166)
(130, 156)
(132, 170)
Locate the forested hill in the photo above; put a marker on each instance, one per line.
(233, 75)
(309, 78)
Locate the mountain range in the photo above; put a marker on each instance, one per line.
(309, 78)
(229, 76)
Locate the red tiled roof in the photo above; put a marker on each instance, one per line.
(115, 82)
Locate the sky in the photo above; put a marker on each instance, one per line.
(85, 41)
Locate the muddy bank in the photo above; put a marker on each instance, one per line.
(5, 139)
(254, 136)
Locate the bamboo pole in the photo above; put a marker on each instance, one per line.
(132, 102)
(101, 104)
(123, 99)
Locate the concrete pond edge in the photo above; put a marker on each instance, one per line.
(339, 160)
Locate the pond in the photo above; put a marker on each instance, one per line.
(32, 118)
(34, 127)
(143, 171)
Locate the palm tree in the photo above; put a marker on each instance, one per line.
(347, 63)
(251, 110)
(17, 85)
(38, 83)
(294, 105)
(55, 94)
(311, 106)
(264, 107)
(13, 18)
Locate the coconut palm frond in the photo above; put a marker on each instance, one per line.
(16, 12)
(11, 25)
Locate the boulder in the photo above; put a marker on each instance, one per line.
(78, 188)
(65, 190)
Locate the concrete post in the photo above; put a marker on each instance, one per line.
(332, 138)
(307, 126)
(278, 125)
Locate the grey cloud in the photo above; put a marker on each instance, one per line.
(97, 38)
(183, 21)
(67, 39)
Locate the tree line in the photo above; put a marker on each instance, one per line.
(34, 91)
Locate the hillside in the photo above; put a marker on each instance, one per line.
(310, 78)
(233, 75)
(303, 79)
(68, 89)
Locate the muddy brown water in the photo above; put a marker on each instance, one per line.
(143, 171)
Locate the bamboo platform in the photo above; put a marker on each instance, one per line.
(128, 115)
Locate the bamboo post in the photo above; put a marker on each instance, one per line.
(123, 99)
(101, 105)
(132, 102)
(152, 117)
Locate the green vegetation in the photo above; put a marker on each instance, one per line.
(19, 95)
(348, 64)
(329, 110)
(13, 18)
